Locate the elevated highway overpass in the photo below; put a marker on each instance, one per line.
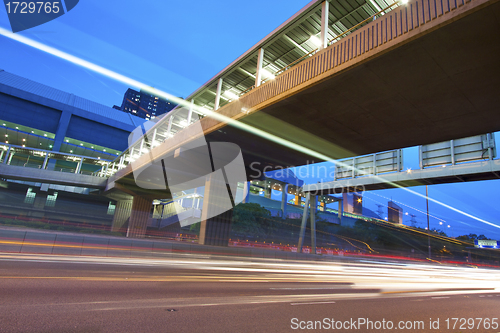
(335, 82)
(407, 75)
(424, 72)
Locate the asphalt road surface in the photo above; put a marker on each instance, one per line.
(204, 294)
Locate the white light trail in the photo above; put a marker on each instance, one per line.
(271, 137)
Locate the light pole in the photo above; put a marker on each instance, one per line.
(428, 225)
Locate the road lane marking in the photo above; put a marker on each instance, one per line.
(311, 303)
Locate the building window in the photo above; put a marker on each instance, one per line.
(51, 200)
(30, 196)
(111, 209)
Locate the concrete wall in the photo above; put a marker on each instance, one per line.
(39, 242)
(70, 207)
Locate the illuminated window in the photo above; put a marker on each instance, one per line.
(111, 209)
(30, 196)
(51, 200)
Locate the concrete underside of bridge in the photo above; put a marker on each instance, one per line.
(441, 86)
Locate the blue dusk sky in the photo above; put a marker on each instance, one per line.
(177, 46)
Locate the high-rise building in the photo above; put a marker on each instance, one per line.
(144, 105)
(395, 213)
(353, 203)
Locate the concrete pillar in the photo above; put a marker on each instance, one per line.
(62, 129)
(260, 61)
(217, 95)
(313, 223)
(324, 25)
(284, 188)
(215, 226)
(141, 212)
(304, 223)
(122, 214)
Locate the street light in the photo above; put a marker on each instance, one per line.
(428, 228)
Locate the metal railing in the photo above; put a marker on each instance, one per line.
(46, 159)
(372, 164)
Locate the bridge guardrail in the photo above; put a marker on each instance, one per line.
(40, 159)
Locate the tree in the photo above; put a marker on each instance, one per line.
(472, 237)
(251, 219)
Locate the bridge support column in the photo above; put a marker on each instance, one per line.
(284, 191)
(139, 217)
(61, 131)
(297, 200)
(215, 226)
(310, 201)
(122, 214)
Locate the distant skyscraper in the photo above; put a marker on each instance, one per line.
(395, 213)
(144, 105)
(353, 203)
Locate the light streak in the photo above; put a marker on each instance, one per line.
(248, 128)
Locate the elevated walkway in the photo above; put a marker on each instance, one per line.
(51, 167)
(51, 177)
(377, 87)
(473, 171)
